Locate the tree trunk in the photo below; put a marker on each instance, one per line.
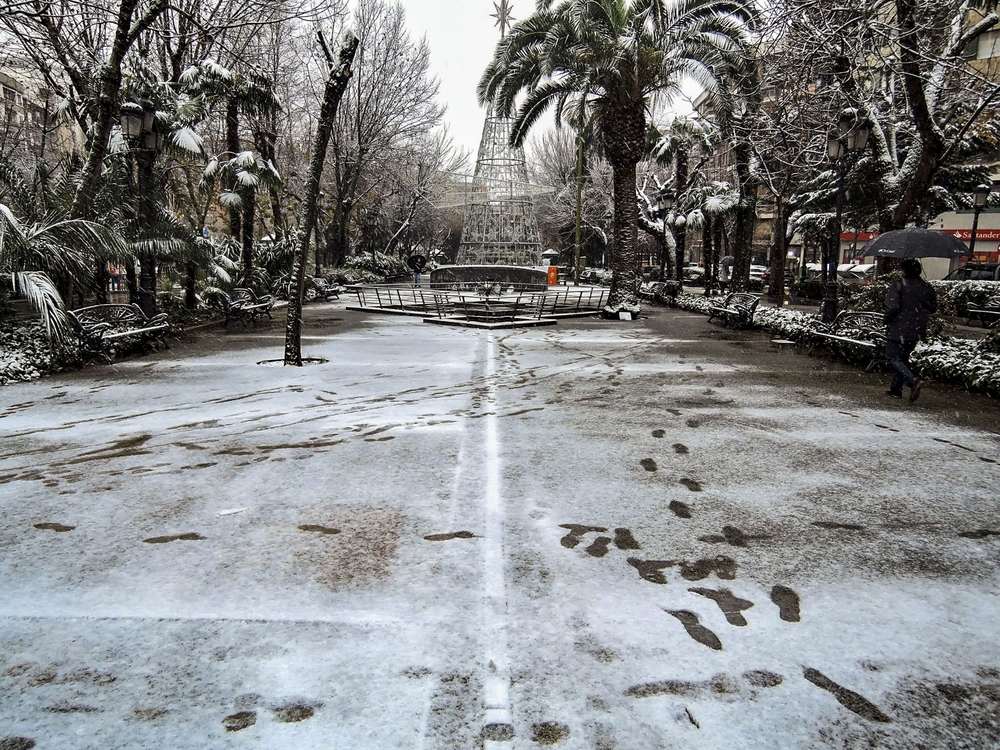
(249, 198)
(931, 141)
(745, 216)
(334, 91)
(680, 185)
(190, 297)
(779, 251)
(708, 253)
(233, 148)
(109, 87)
(625, 261)
(624, 139)
(265, 145)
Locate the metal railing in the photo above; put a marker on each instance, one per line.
(472, 302)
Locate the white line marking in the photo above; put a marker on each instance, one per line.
(497, 681)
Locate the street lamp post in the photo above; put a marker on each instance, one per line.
(850, 138)
(138, 122)
(979, 198)
(664, 202)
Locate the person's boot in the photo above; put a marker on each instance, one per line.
(915, 390)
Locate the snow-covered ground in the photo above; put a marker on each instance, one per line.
(593, 535)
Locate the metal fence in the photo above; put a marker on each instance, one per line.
(474, 302)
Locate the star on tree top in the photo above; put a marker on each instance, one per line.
(503, 16)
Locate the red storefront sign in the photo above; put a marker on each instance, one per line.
(982, 235)
(984, 253)
(862, 236)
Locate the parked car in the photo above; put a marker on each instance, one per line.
(856, 274)
(694, 273)
(975, 272)
(789, 277)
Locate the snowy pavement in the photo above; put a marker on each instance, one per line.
(595, 535)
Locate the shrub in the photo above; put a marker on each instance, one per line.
(972, 364)
(962, 294)
(808, 288)
(27, 353)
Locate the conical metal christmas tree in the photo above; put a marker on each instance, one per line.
(499, 226)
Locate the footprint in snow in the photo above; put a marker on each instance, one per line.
(730, 604)
(450, 536)
(49, 526)
(239, 721)
(188, 537)
(847, 698)
(324, 530)
(679, 509)
(787, 602)
(695, 629)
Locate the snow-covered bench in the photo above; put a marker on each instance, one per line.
(989, 310)
(736, 309)
(324, 290)
(852, 333)
(245, 306)
(662, 292)
(103, 328)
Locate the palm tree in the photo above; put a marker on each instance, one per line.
(615, 56)
(251, 94)
(684, 135)
(33, 253)
(41, 247)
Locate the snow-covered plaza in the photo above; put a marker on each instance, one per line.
(610, 535)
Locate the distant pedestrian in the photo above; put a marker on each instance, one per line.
(908, 304)
(723, 277)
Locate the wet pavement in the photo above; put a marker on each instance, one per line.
(594, 535)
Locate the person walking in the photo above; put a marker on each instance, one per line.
(908, 304)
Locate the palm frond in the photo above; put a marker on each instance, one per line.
(230, 200)
(187, 140)
(43, 297)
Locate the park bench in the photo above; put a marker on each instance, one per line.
(736, 309)
(102, 329)
(497, 310)
(852, 335)
(325, 291)
(245, 306)
(648, 290)
(989, 310)
(660, 292)
(667, 295)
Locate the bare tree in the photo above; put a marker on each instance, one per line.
(902, 66)
(555, 163)
(340, 75)
(391, 104)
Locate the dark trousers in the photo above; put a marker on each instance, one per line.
(898, 354)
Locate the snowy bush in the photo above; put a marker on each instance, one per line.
(26, 353)
(972, 364)
(961, 294)
(969, 363)
(694, 302)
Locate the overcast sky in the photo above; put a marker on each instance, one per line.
(461, 36)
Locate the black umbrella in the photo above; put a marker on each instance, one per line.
(916, 243)
(727, 260)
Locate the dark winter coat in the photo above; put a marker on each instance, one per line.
(908, 304)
